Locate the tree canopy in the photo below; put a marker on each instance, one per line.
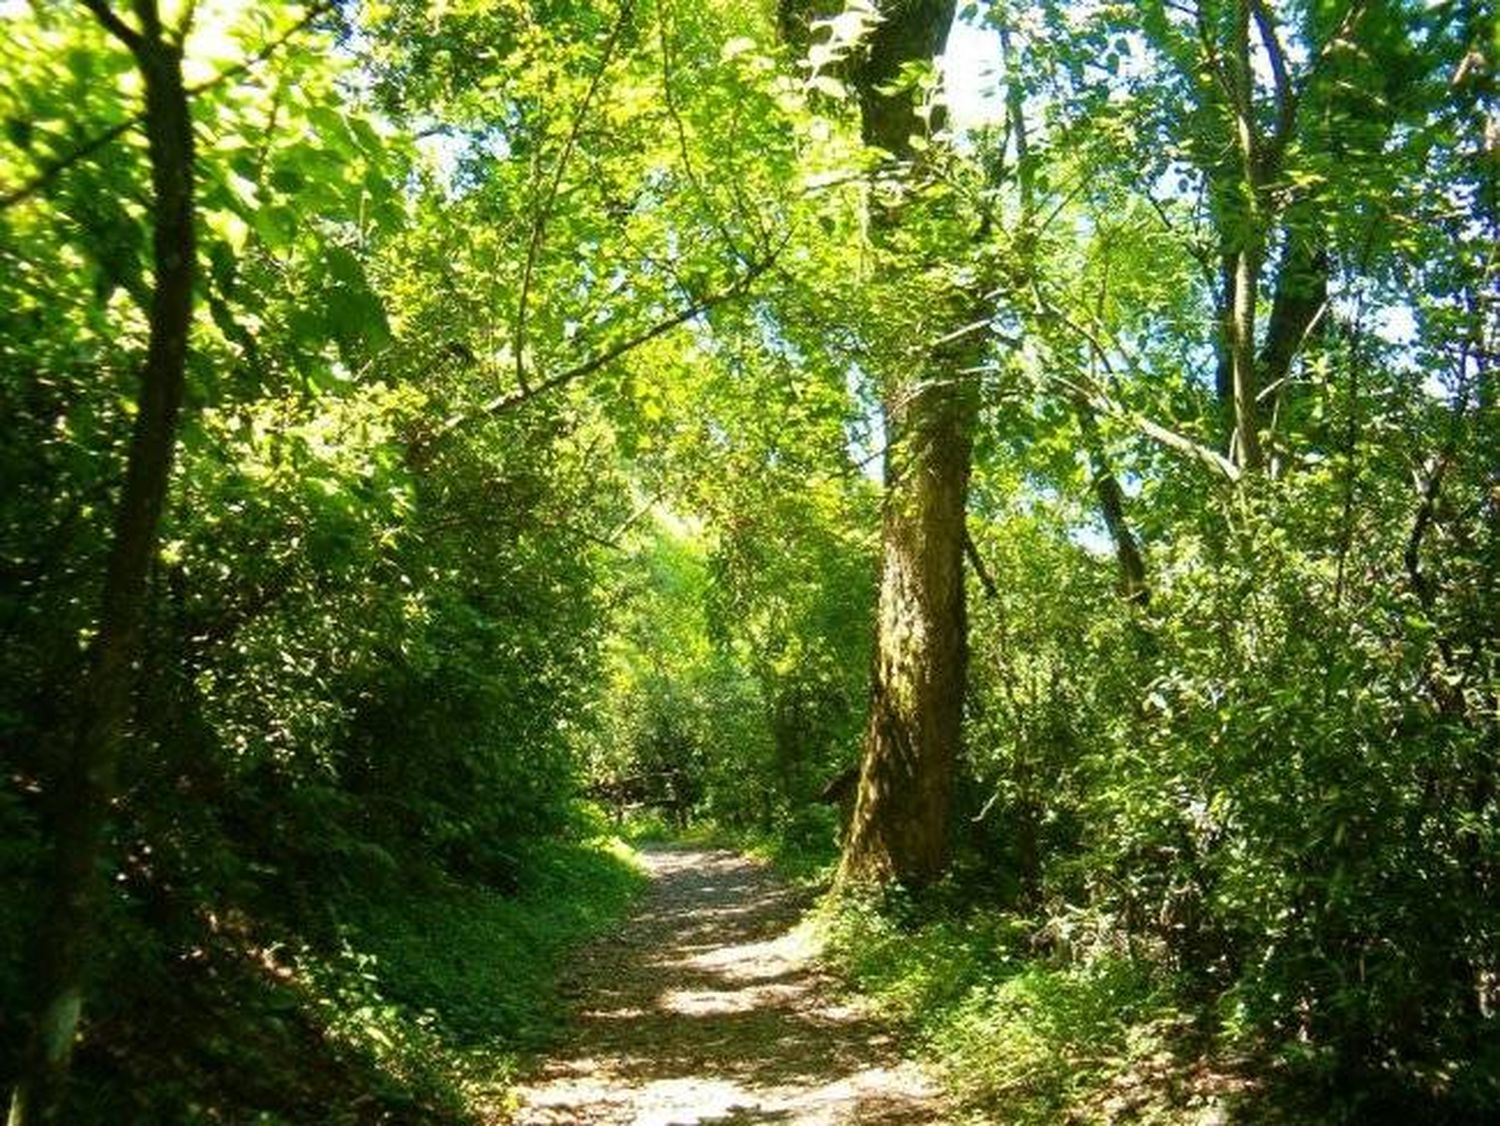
(1039, 462)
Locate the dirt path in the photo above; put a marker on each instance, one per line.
(708, 1007)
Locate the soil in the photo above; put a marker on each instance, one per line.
(710, 1006)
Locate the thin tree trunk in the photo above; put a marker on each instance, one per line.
(1111, 498)
(1247, 249)
(1224, 368)
(1247, 447)
(79, 796)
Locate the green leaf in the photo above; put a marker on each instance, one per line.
(276, 225)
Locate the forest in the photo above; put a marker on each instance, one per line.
(1026, 475)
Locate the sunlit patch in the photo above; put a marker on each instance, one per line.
(698, 1002)
(670, 1102)
(614, 1014)
(711, 1008)
(752, 960)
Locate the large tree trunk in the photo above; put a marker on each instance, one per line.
(80, 793)
(899, 830)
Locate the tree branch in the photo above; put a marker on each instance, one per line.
(52, 170)
(150, 16)
(669, 100)
(1211, 57)
(1286, 97)
(976, 561)
(544, 212)
(1183, 444)
(112, 23)
(1094, 394)
(504, 403)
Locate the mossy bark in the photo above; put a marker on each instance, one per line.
(900, 828)
(899, 831)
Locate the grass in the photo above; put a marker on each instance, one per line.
(419, 1007)
(1022, 1036)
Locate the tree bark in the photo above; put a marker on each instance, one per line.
(1247, 453)
(899, 831)
(80, 794)
(1297, 307)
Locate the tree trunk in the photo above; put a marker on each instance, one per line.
(80, 794)
(1247, 239)
(1247, 448)
(1297, 307)
(899, 829)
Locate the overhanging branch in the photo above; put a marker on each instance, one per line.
(505, 403)
(54, 168)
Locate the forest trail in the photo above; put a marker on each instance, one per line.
(710, 1007)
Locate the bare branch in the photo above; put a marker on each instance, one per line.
(112, 23)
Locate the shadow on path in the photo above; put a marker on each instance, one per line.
(710, 1007)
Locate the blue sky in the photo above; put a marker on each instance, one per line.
(971, 72)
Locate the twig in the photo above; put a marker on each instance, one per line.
(981, 572)
(670, 101)
(504, 403)
(1152, 429)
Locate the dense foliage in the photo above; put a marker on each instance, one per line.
(528, 478)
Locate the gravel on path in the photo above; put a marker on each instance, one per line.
(710, 1006)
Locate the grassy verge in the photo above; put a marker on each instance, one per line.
(451, 987)
(417, 1007)
(1081, 1035)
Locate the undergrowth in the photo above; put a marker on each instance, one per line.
(416, 1005)
(1022, 1034)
